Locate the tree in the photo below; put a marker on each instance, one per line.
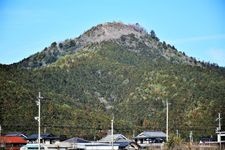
(174, 142)
(152, 33)
(60, 45)
(54, 44)
(164, 45)
(72, 43)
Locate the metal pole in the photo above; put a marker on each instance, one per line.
(219, 121)
(191, 137)
(177, 133)
(0, 130)
(167, 120)
(220, 141)
(39, 120)
(219, 128)
(112, 131)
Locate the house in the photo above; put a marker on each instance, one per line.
(45, 138)
(76, 140)
(77, 143)
(12, 142)
(101, 146)
(220, 136)
(18, 134)
(148, 137)
(118, 139)
(81, 144)
(55, 146)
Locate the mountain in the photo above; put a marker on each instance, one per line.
(112, 69)
(134, 37)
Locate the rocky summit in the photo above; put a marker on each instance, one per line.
(132, 36)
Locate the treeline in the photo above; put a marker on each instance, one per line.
(83, 90)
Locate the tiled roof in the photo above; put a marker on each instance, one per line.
(12, 139)
(20, 134)
(116, 138)
(151, 134)
(76, 140)
(43, 136)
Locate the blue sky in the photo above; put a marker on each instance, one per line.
(196, 27)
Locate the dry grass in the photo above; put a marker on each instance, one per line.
(187, 147)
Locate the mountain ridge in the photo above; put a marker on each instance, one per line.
(96, 34)
(128, 35)
(129, 76)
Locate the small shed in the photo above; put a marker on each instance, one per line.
(12, 142)
(148, 137)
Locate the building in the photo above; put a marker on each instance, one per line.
(55, 146)
(18, 134)
(77, 143)
(116, 138)
(12, 142)
(81, 144)
(148, 137)
(220, 136)
(45, 138)
(120, 140)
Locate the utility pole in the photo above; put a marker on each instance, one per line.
(167, 120)
(0, 130)
(191, 137)
(39, 119)
(219, 120)
(219, 129)
(177, 132)
(112, 131)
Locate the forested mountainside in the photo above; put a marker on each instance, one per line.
(112, 69)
